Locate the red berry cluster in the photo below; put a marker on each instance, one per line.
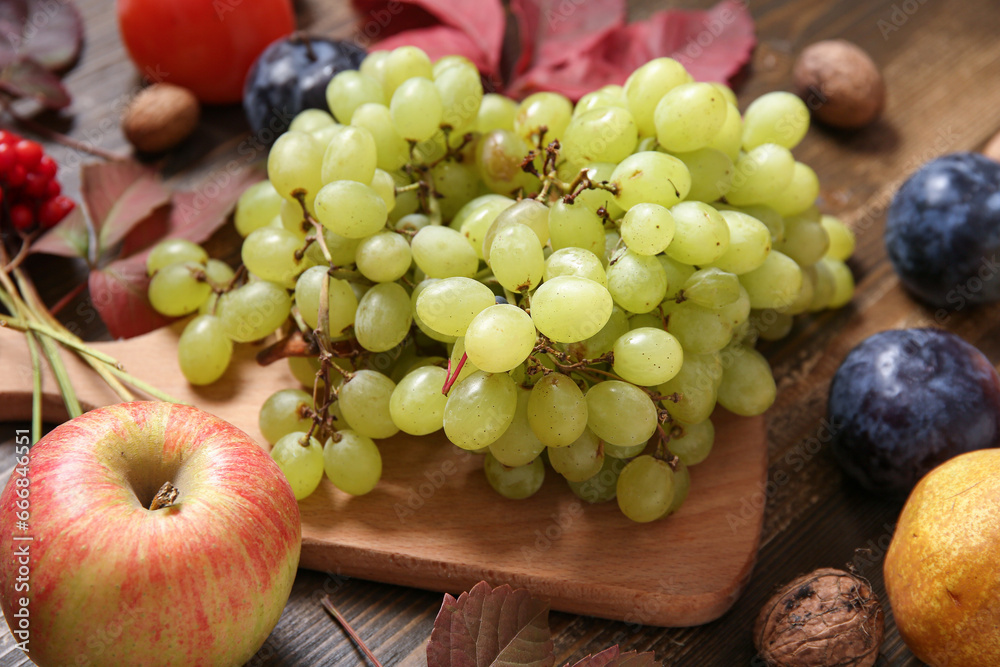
(29, 190)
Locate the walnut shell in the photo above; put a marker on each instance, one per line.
(160, 117)
(827, 618)
(839, 83)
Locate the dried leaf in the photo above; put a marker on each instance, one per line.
(613, 657)
(491, 627)
(70, 238)
(25, 77)
(50, 33)
(118, 292)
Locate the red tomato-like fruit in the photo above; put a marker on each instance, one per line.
(206, 47)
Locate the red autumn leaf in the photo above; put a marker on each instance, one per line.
(491, 627)
(119, 195)
(70, 238)
(50, 33)
(118, 292)
(613, 657)
(441, 40)
(27, 78)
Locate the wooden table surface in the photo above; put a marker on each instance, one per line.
(938, 59)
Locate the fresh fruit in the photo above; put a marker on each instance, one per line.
(943, 231)
(840, 83)
(29, 191)
(160, 117)
(292, 75)
(207, 48)
(139, 510)
(941, 570)
(904, 401)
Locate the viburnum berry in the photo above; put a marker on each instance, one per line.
(29, 154)
(21, 217)
(51, 212)
(30, 195)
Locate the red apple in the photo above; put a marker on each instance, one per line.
(89, 574)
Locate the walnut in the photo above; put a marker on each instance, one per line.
(827, 618)
(839, 83)
(160, 117)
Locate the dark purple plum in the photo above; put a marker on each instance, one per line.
(906, 400)
(291, 75)
(943, 231)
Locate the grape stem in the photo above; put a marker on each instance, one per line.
(328, 605)
(450, 379)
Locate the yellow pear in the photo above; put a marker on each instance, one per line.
(942, 571)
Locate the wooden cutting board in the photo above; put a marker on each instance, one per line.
(434, 523)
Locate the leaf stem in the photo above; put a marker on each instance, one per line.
(58, 137)
(36, 390)
(328, 605)
(51, 352)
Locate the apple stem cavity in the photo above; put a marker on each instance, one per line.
(329, 606)
(165, 497)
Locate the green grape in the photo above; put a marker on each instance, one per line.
(806, 293)
(568, 309)
(806, 241)
(499, 155)
(517, 259)
(712, 288)
(650, 177)
(729, 138)
(843, 282)
(412, 222)
(384, 186)
(476, 217)
(647, 229)
(761, 175)
(285, 411)
(726, 91)
(351, 209)
(598, 99)
(479, 409)
(682, 485)
(341, 248)
(304, 369)
(310, 120)
(737, 312)
(421, 325)
(373, 65)
(636, 282)
(174, 251)
(364, 402)
(500, 338)
(442, 252)
(574, 261)
(549, 110)
(456, 185)
(688, 116)
(348, 90)
(301, 461)
(677, 273)
(775, 284)
(178, 289)
(695, 387)
(602, 487)
(455, 359)
(775, 118)
(596, 198)
(326, 134)
(256, 207)
(293, 219)
(219, 273)
(701, 236)
(711, 173)
(417, 403)
(600, 135)
(799, 194)
(518, 445)
(645, 489)
(823, 285)
(352, 462)
(496, 112)
(384, 257)
(841, 238)
(651, 319)
(647, 85)
(393, 151)
(204, 350)
(749, 243)
(383, 317)
(461, 92)
(254, 310)
(416, 109)
(528, 212)
(620, 413)
(294, 165)
(575, 226)
(270, 253)
(698, 329)
(768, 216)
(448, 305)
(352, 156)
(647, 356)
(692, 443)
(557, 411)
(747, 386)
(342, 303)
(514, 483)
(580, 460)
(405, 63)
(774, 325)
(604, 340)
(441, 65)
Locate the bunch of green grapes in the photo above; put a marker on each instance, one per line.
(563, 288)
